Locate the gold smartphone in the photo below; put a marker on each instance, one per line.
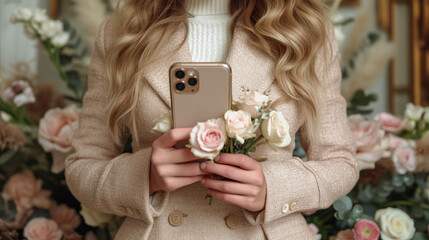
(199, 92)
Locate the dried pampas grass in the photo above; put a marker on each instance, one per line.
(368, 65)
(10, 136)
(358, 33)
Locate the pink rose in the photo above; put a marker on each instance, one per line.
(366, 230)
(395, 141)
(370, 142)
(404, 159)
(345, 235)
(65, 217)
(26, 192)
(252, 101)
(314, 230)
(56, 130)
(42, 229)
(239, 125)
(389, 122)
(208, 138)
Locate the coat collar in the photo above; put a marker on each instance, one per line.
(251, 68)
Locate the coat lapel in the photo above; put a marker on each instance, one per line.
(251, 68)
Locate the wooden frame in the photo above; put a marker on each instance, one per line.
(54, 8)
(419, 49)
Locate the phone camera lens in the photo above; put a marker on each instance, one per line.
(180, 86)
(180, 74)
(192, 81)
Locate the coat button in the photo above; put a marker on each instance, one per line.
(130, 211)
(137, 213)
(123, 209)
(233, 221)
(293, 206)
(285, 208)
(175, 218)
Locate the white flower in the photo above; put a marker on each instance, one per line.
(275, 130)
(404, 159)
(426, 117)
(6, 117)
(39, 15)
(94, 218)
(413, 112)
(21, 15)
(60, 39)
(25, 97)
(239, 125)
(162, 124)
(252, 101)
(50, 28)
(394, 224)
(410, 124)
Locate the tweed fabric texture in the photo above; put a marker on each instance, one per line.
(107, 181)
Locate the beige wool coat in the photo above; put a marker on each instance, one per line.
(105, 180)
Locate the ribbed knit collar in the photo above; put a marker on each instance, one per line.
(207, 7)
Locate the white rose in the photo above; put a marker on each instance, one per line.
(94, 218)
(426, 117)
(50, 28)
(410, 124)
(275, 130)
(413, 112)
(252, 101)
(21, 15)
(60, 39)
(394, 224)
(239, 125)
(39, 15)
(162, 124)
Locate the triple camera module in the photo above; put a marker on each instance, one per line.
(186, 80)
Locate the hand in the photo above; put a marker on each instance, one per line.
(169, 168)
(248, 190)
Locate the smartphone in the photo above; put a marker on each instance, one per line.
(199, 92)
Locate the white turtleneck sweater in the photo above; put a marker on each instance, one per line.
(209, 37)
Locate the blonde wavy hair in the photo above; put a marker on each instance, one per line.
(292, 32)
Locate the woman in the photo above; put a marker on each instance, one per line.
(281, 45)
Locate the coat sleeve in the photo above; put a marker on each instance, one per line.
(331, 171)
(97, 172)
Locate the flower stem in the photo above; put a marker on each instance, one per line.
(254, 143)
(405, 203)
(230, 146)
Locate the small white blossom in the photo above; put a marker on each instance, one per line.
(50, 28)
(426, 117)
(410, 124)
(60, 39)
(413, 112)
(39, 15)
(25, 97)
(21, 15)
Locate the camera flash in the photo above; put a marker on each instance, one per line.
(191, 72)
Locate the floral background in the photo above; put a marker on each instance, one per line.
(390, 201)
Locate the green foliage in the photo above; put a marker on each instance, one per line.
(6, 155)
(8, 210)
(360, 102)
(346, 211)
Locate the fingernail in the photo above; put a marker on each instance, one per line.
(203, 165)
(217, 158)
(203, 181)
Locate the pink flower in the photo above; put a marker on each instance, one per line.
(42, 229)
(26, 191)
(20, 92)
(366, 230)
(389, 122)
(345, 235)
(404, 159)
(395, 141)
(308, 213)
(315, 231)
(239, 125)
(56, 130)
(208, 138)
(65, 217)
(370, 142)
(252, 101)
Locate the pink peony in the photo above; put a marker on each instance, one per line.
(239, 125)
(56, 130)
(42, 229)
(252, 101)
(389, 122)
(26, 191)
(208, 138)
(345, 235)
(370, 142)
(65, 217)
(404, 159)
(315, 231)
(366, 230)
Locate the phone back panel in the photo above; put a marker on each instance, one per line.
(211, 100)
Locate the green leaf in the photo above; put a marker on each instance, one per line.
(356, 212)
(408, 179)
(6, 156)
(419, 236)
(65, 59)
(397, 180)
(74, 77)
(343, 204)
